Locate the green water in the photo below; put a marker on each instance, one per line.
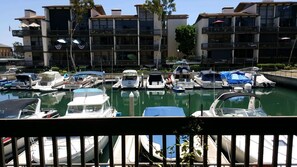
(277, 101)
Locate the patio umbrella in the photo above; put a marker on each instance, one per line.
(218, 21)
(23, 25)
(34, 25)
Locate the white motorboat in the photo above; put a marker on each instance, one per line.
(24, 81)
(130, 79)
(25, 108)
(209, 79)
(181, 76)
(50, 81)
(82, 79)
(86, 103)
(168, 111)
(258, 79)
(155, 80)
(231, 104)
(235, 78)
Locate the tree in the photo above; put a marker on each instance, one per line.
(79, 8)
(18, 49)
(185, 35)
(162, 8)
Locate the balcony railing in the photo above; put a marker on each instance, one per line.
(217, 30)
(288, 30)
(102, 32)
(136, 126)
(22, 33)
(126, 32)
(58, 32)
(251, 30)
(245, 45)
(126, 47)
(268, 29)
(217, 45)
(32, 48)
(102, 47)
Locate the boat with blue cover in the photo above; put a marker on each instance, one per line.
(235, 78)
(168, 111)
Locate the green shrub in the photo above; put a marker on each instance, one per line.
(55, 69)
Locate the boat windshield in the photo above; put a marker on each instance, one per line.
(47, 77)
(93, 108)
(130, 77)
(75, 109)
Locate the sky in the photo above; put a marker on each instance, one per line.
(11, 9)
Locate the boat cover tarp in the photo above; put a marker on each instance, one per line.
(98, 73)
(170, 139)
(13, 106)
(164, 111)
(235, 77)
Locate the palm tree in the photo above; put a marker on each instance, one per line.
(162, 8)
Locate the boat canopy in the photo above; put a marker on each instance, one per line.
(12, 107)
(164, 111)
(98, 73)
(235, 77)
(226, 96)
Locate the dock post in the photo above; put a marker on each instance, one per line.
(131, 104)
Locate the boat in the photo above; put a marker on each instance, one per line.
(237, 103)
(181, 76)
(24, 81)
(168, 111)
(83, 79)
(86, 103)
(258, 79)
(178, 88)
(209, 79)
(50, 81)
(24, 108)
(155, 80)
(130, 79)
(235, 78)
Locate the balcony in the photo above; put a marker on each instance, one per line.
(158, 32)
(146, 47)
(135, 126)
(22, 33)
(126, 32)
(246, 30)
(30, 48)
(207, 46)
(102, 32)
(146, 32)
(245, 45)
(288, 30)
(127, 47)
(57, 32)
(102, 47)
(267, 45)
(217, 30)
(268, 29)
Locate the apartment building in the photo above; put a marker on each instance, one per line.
(99, 40)
(253, 32)
(5, 51)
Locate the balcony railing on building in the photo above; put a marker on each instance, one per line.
(126, 32)
(101, 47)
(206, 46)
(126, 47)
(101, 32)
(58, 32)
(268, 29)
(29, 48)
(22, 33)
(136, 126)
(288, 30)
(247, 30)
(214, 30)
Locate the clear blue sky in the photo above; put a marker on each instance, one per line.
(11, 9)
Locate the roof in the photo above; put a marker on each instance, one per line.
(31, 18)
(243, 5)
(13, 106)
(4, 46)
(164, 111)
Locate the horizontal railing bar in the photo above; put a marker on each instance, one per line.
(126, 125)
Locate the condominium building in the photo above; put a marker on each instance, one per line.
(99, 39)
(5, 51)
(253, 32)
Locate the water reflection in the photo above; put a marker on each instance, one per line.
(276, 101)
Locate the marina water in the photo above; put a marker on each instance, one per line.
(276, 101)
